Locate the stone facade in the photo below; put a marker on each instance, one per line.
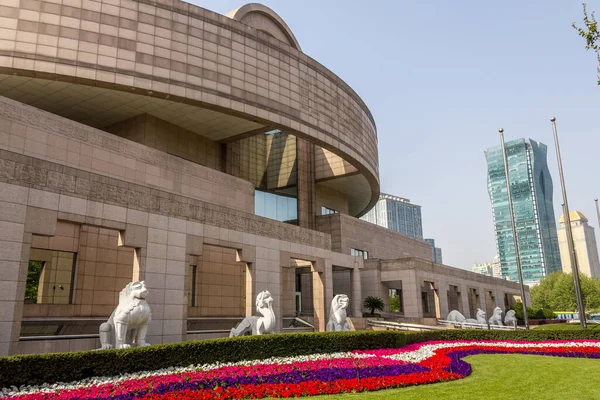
(134, 138)
(430, 290)
(351, 233)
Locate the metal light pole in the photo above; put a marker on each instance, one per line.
(569, 232)
(597, 212)
(514, 229)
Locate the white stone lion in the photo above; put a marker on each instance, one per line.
(258, 325)
(456, 316)
(337, 314)
(496, 318)
(510, 319)
(128, 324)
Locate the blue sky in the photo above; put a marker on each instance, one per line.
(440, 78)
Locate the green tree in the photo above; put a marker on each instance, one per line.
(33, 281)
(395, 304)
(590, 33)
(373, 303)
(557, 292)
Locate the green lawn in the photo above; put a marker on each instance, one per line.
(567, 327)
(512, 376)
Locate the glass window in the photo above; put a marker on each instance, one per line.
(275, 206)
(362, 253)
(328, 211)
(50, 277)
(193, 273)
(395, 298)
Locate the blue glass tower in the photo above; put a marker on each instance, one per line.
(531, 188)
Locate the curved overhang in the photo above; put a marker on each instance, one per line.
(197, 65)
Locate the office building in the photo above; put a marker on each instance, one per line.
(531, 188)
(496, 267)
(586, 249)
(435, 251)
(397, 214)
(489, 269)
(483, 269)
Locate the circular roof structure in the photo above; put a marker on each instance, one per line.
(264, 19)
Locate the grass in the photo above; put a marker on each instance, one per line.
(567, 327)
(513, 376)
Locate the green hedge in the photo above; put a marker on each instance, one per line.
(66, 367)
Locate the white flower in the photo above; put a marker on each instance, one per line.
(421, 353)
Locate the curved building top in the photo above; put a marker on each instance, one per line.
(219, 76)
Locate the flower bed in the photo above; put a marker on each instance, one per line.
(343, 372)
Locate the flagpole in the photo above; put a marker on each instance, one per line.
(569, 232)
(514, 229)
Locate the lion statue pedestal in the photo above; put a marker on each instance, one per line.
(258, 325)
(337, 314)
(128, 324)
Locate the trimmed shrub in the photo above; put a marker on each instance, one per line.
(533, 313)
(66, 367)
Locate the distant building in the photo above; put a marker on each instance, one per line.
(531, 186)
(436, 251)
(489, 269)
(586, 249)
(483, 269)
(496, 267)
(397, 214)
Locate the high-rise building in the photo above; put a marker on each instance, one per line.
(397, 214)
(436, 251)
(490, 268)
(586, 250)
(496, 267)
(483, 269)
(531, 188)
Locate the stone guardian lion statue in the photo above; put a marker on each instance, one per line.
(337, 314)
(128, 324)
(496, 318)
(254, 325)
(456, 316)
(510, 319)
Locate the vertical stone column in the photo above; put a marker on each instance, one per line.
(411, 292)
(15, 245)
(499, 295)
(250, 290)
(318, 270)
(483, 300)
(356, 299)
(327, 277)
(464, 294)
(306, 183)
(266, 276)
(175, 316)
(161, 264)
(443, 297)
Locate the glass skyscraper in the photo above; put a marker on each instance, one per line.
(397, 214)
(531, 189)
(436, 252)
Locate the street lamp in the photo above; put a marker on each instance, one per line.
(597, 212)
(514, 228)
(569, 232)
